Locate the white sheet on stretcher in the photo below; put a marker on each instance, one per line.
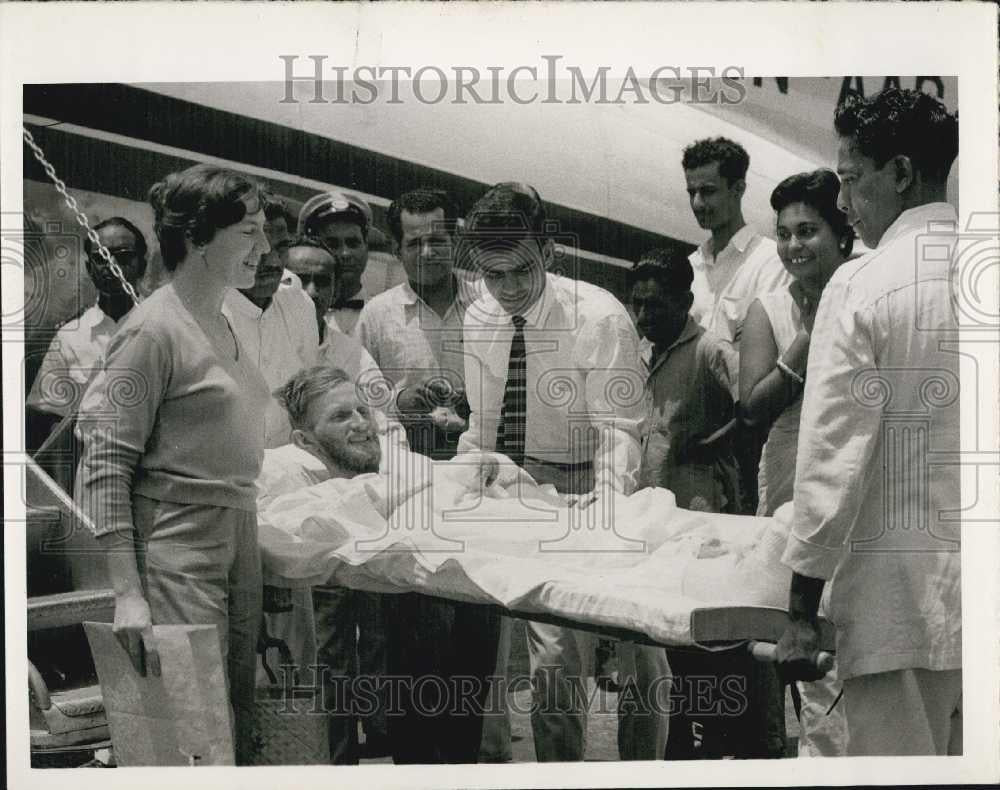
(636, 562)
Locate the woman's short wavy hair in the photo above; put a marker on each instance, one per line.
(191, 205)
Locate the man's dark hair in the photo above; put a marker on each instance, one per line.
(118, 222)
(670, 269)
(510, 206)
(509, 212)
(732, 157)
(311, 241)
(275, 208)
(818, 190)
(901, 123)
(421, 201)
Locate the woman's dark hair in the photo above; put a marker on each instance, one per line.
(818, 190)
(118, 222)
(193, 204)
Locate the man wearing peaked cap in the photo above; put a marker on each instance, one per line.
(328, 204)
(342, 222)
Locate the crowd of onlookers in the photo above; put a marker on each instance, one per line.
(746, 353)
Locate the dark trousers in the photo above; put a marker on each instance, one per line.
(440, 657)
(725, 704)
(351, 649)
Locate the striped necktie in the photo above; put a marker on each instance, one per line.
(510, 432)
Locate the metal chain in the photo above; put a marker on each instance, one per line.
(81, 218)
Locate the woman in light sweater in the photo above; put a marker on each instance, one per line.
(173, 430)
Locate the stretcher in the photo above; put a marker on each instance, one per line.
(533, 586)
(682, 589)
(636, 568)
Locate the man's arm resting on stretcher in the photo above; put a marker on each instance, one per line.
(798, 648)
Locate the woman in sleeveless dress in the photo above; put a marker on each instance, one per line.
(814, 239)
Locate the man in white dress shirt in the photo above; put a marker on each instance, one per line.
(275, 326)
(79, 345)
(732, 267)
(414, 333)
(342, 221)
(554, 381)
(76, 351)
(414, 330)
(872, 517)
(736, 264)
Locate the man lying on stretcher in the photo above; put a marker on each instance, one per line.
(326, 489)
(336, 501)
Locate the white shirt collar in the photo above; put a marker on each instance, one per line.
(740, 241)
(535, 316)
(920, 218)
(94, 319)
(238, 301)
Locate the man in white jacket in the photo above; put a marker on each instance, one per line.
(872, 517)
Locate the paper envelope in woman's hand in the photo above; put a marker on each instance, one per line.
(179, 718)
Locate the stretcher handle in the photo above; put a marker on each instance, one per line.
(765, 651)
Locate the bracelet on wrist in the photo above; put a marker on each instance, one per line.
(787, 371)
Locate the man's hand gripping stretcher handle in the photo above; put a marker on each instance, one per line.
(797, 653)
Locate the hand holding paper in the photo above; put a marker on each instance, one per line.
(133, 628)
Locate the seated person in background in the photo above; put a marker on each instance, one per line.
(341, 221)
(274, 325)
(331, 423)
(79, 345)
